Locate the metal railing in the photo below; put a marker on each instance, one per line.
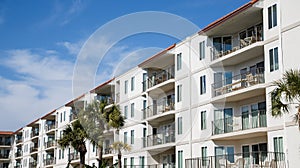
(49, 127)
(34, 133)
(50, 144)
(159, 77)
(4, 156)
(238, 82)
(159, 108)
(107, 99)
(74, 156)
(108, 151)
(49, 161)
(7, 143)
(18, 154)
(245, 121)
(33, 164)
(163, 165)
(159, 139)
(244, 160)
(19, 140)
(34, 148)
(227, 48)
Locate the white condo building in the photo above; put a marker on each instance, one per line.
(201, 103)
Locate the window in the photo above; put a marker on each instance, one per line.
(180, 159)
(63, 153)
(59, 154)
(132, 83)
(125, 137)
(132, 162)
(126, 112)
(179, 93)
(94, 147)
(278, 148)
(204, 156)
(273, 53)
(179, 62)
(64, 115)
(202, 84)
(126, 86)
(125, 162)
(142, 161)
(272, 16)
(61, 117)
(132, 136)
(132, 110)
(202, 50)
(179, 119)
(203, 120)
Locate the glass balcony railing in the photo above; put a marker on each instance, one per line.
(261, 159)
(238, 82)
(108, 151)
(166, 105)
(34, 133)
(166, 134)
(158, 77)
(255, 119)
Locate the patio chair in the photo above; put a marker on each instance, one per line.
(224, 163)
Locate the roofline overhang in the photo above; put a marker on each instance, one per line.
(228, 16)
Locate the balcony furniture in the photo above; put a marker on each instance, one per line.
(224, 163)
(243, 43)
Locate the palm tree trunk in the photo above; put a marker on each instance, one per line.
(119, 160)
(100, 156)
(82, 159)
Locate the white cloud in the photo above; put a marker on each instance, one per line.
(44, 84)
(72, 48)
(63, 12)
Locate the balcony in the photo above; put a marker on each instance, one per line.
(238, 82)
(18, 154)
(50, 144)
(158, 76)
(33, 164)
(224, 46)
(19, 140)
(104, 98)
(49, 161)
(34, 134)
(74, 156)
(159, 139)
(19, 165)
(108, 151)
(4, 156)
(163, 165)
(166, 105)
(49, 127)
(240, 127)
(34, 148)
(7, 143)
(249, 160)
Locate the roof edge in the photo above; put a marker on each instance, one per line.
(228, 16)
(158, 54)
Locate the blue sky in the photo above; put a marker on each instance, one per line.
(40, 40)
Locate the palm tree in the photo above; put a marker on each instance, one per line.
(96, 118)
(286, 93)
(75, 136)
(120, 146)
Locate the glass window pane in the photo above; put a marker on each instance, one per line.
(274, 15)
(276, 66)
(270, 17)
